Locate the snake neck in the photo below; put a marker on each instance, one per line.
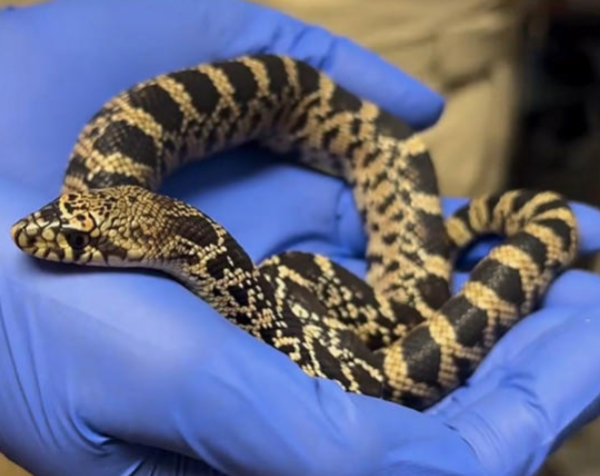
(208, 260)
(243, 297)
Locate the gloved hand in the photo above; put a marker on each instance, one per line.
(107, 372)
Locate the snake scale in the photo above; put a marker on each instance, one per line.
(399, 334)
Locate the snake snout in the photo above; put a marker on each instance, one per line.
(36, 231)
(25, 233)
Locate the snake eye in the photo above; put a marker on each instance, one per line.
(77, 240)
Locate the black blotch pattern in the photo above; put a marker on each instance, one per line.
(160, 105)
(201, 89)
(224, 114)
(390, 238)
(391, 126)
(360, 289)
(433, 232)
(128, 140)
(551, 205)
(378, 179)
(522, 199)
(212, 139)
(391, 267)
(279, 117)
(350, 154)
(387, 203)
(372, 387)
(113, 249)
(196, 229)
(560, 229)
(192, 259)
(370, 158)
(413, 401)
(76, 254)
(434, 290)
(108, 179)
(374, 259)
(242, 319)
(405, 196)
(216, 267)
(301, 121)
(492, 202)
(329, 137)
(239, 257)
(464, 368)
(77, 167)
(406, 314)
(242, 79)
(399, 215)
(462, 214)
(342, 100)
(500, 330)
(308, 77)
(467, 320)
(355, 126)
(301, 295)
(505, 281)
(302, 117)
(422, 355)
(328, 363)
(60, 252)
(531, 245)
(413, 256)
(275, 71)
(169, 146)
(106, 111)
(423, 174)
(50, 213)
(239, 294)
(301, 262)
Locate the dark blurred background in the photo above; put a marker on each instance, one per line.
(558, 135)
(558, 144)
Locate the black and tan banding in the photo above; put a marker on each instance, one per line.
(399, 335)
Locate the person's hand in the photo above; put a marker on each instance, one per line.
(108, 372)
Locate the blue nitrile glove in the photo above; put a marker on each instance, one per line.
(114, 372)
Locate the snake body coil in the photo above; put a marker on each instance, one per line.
(399, 335)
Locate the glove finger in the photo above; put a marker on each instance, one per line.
(575, 289)
(571, 293)
(549, 389)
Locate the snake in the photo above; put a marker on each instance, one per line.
(398, 334)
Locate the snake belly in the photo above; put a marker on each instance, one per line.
(397, 335)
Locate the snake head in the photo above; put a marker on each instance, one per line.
(52, 234)
(99, 227)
